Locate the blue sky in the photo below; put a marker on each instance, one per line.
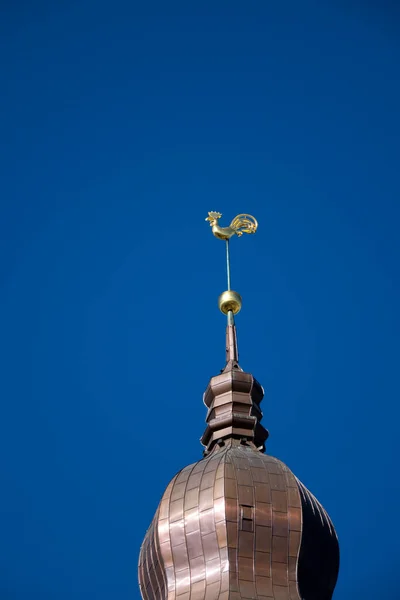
(122, 125)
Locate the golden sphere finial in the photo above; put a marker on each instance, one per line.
(230, 301)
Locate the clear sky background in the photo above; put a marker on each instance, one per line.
(122, 125)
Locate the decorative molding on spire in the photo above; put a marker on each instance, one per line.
(233, 401)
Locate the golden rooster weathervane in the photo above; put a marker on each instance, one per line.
(240, 224)
(230, 302)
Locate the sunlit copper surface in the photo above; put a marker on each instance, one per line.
(228, 526)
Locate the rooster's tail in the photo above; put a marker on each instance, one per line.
(244, 224)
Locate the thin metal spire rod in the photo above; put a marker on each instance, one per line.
(231, 320)
(228, 265)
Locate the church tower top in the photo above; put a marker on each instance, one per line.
(237, 524)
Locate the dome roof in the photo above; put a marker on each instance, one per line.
(238, 524)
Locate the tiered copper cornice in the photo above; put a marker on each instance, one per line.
(233, 401)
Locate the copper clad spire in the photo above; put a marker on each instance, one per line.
(232, 352)
(237, 525)
(233, 398)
